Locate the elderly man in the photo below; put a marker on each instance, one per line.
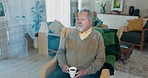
(83, 48)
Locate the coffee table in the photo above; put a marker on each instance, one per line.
(126, 50)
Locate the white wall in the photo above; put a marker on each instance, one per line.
(88, 4)
(59, 10)
(138, 4)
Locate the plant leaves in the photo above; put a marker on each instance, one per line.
(41, 7)
(32, 7)
(33, 26)
(37, 12)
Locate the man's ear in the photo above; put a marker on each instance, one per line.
(90, 22)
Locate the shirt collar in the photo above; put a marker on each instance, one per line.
(88, 31)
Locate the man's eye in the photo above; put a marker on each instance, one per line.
(83, 19)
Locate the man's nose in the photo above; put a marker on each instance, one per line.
(79, 21)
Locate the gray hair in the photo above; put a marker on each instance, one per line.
(88, 11)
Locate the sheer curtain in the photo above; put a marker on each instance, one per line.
(20, 23)
(59, 10)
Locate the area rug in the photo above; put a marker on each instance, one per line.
(135, 65)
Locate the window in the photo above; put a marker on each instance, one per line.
(74, 10)
(4, 14)
(77, 5)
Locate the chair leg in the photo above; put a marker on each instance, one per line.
(141, 48)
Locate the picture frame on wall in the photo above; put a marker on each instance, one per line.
(117, 5)
(4, 13)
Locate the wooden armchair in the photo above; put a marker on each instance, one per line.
(51, 66)
(137, 38)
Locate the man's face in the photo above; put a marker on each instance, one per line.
(83, 23)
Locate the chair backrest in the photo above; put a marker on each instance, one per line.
(64, 32)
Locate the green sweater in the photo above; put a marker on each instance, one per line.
(88, 54)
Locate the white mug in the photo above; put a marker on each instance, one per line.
(72, 71)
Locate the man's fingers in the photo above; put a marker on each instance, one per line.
(78, 74)
(65, 68)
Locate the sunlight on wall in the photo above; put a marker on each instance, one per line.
(59, 10)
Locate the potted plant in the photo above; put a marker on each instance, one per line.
(37, 15)
(103, 4)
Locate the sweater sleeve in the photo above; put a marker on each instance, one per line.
(61, 53)
(100, 57)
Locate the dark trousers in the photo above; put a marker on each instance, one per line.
(59, 74)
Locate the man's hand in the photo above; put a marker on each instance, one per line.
(105, 73)
(65, 68)
(81, 73)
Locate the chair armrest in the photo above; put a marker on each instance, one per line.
(43, 43)
(110, 63)
(125, 28)
(54, 51)
(104, 26)
(43, 27)
(145, 29)
(143, 34)
(105, 73)
(111, 60)
(53, 35)
(48, 68)
(43, 39)
(142, 38)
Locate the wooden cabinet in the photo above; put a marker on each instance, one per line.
(115, 21)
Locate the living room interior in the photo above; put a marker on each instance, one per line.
(21, 55)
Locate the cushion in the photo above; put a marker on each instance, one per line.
(132, 37)
(146, 25)
(97, 22)
(135, 25)
(55, 27)
(48, 23)
(53, 42)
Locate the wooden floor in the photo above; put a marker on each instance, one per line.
(22, 66)
(28, 65)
